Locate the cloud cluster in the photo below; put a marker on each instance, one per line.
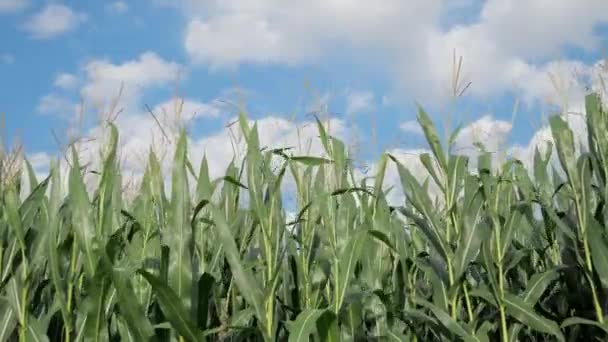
(142, 131)
(105, 78)
(507, 45)
(9, 6)
(53, 20)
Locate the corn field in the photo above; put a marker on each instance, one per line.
(504, 253)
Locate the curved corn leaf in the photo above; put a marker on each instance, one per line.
(244, 279)
(8, 319)
(304, 325)
(582, 321)
(450, 324)
(432, 138)
(346, 266)
(173, 308)
(538, 284)
(524, 312)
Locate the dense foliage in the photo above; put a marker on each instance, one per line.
(504, 253)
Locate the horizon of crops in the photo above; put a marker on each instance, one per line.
(505, 254)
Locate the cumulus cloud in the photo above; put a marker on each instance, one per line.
(8, 6)
(104, 79)
(411, 126)
(505, 45)
(359, 102)
(60, 106)
(53, 20)
(228, 33)
(66, 81)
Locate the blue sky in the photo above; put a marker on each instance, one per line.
(368, 63)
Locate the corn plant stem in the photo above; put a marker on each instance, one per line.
(337, 284)
(501, 288)
(468, 301)
(269, 305)
(142, 293)
(503, 317)
(22, 319)
(583, 231)
(596, 302)
(452, 223)
(73, 260)
(499, 259)
(454, 306)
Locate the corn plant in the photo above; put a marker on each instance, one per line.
(499, 252)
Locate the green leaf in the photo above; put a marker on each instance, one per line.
(132, 312)
(36, 330)
(97, 290)
(447, 321)
(475, 231)
(311, 160)
(233, 181)
(346, 266)
(564, 142)
(327, 327)
(432, 138)
(524, 312)
(434, 237)
(457, 170)
(582, 321)
(205, 283)
(173, 308)
(107, 184)
(427, 162)
(8, 319)
(383, 238)
(33, 181)
(323, 136)
(179, 232)
(350, 190)
(538, 284)
(81, 217)
(244, 279)
(599, 250)
(14, 218)
(304, 325)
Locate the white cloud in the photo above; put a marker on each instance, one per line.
(117, 7)
(490, 132)
(228, 33)
(543, 27)
(189, 109)
(486, 130)
(39, 161)
(509, 44)
(513, 44)
(7, 6)
(411, 126)
(7, 58)
(274, 132)
(104, 79)
(52, 21)
(359, 102)
(140, 133)
(410, 159)
(66, 81)
(57, 105)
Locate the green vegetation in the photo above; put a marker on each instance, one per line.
(504, 254)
